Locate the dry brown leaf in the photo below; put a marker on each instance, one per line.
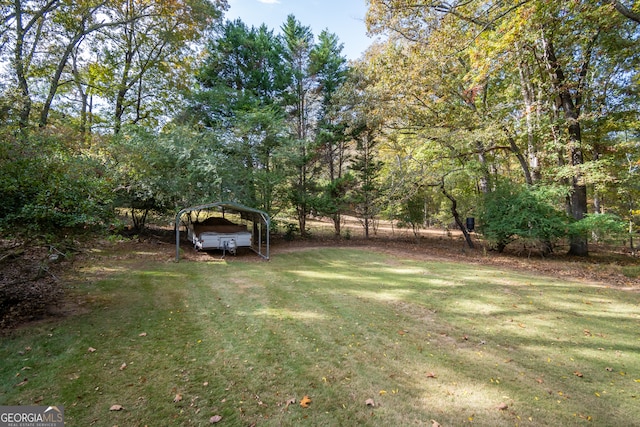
(431, 375)
(178, 398)
(23, 382)
(539, 380)
(215, 419)
(578, 374)
(305, 402)
(116, 408)
(502, 406)
(370, 402)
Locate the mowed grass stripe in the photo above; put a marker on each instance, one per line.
(424, 340)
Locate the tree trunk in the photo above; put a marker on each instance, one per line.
(55, 80)
(532, 173)
(578, 198)
(23, 86)
(123, 86)
(456, 217)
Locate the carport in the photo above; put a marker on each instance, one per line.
(260, 223)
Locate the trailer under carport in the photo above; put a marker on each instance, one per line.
(260, 223)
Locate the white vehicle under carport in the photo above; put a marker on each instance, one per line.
(224, 226)
(218, 234)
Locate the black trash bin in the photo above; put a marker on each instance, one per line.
(471, 223)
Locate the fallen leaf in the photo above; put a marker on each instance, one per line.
(291, 401)
(402, 332)
(178, 398)
(431, 375)
(578, 374)
(539, 380)
(215, 419)
(305, 402)
(502, 406)
(434, 423)
(23, 382)
(116, 408)
(370, 402)
(91, 350)
(381, 392)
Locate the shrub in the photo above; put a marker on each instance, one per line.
(47, 186)
(525, 213)
(601, 227)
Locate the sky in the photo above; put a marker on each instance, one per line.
(345, 18)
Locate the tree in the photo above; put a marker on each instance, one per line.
(54, 42)
(149, 57)
(298, 41)
(243, 81)
(328, 67)
(559, 72)
(362, 126)
(163, 172)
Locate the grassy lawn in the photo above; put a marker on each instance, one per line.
(175, 344)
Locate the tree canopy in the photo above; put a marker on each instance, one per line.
(465, 109)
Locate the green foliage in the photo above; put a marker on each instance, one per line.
(412, 213)
(290, 232)
(525, 213)
(48, 186)
(335, 196)
(162, 172)
(601, 227)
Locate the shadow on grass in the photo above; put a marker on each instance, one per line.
(456, 343)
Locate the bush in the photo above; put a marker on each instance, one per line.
(525, 213)
(601, 227)
(48, 187)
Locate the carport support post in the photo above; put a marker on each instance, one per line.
(177, 224)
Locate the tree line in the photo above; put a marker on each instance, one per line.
(522, 114)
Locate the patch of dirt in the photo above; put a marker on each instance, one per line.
(32, 279)
(30, 287)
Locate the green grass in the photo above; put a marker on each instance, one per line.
(425, 340)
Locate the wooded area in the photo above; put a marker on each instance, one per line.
(521, 114)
